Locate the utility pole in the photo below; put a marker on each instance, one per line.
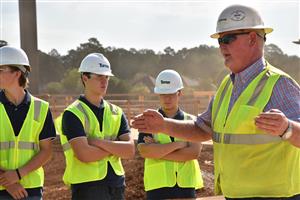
(28, 34)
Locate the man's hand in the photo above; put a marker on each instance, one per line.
(273, 122)
(17, 191)
(149, 140)
(8, 177)
(150, 121)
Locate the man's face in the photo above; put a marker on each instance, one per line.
(169, 101)
(235, 49)
(7, 77)
(97, 84)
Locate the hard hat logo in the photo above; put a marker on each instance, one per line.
(168, 82)
(237, 15)
(103, 65)
(165, 82)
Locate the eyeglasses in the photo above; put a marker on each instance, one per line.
(227, 39)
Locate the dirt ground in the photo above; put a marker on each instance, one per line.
(55, 189)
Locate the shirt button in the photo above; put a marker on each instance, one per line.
(16, 109)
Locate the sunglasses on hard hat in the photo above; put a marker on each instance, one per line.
(227, 39)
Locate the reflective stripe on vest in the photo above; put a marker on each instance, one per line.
(21, 145)
(66, 146)
(230, 138)
(37, 109)
(221, 99)
(86, 118)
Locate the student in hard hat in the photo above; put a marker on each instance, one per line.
(171, 166)
(95, 135)
(254, 118)
(26, 130)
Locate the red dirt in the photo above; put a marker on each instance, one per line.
(55, 189)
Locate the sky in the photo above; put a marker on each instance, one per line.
(141, 24)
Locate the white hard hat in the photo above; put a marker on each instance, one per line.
(238, 17)
(96, 63)
(15, 57)
(168, 82)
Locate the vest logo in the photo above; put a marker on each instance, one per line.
(165, 82)
(237, 15)
(103, 65)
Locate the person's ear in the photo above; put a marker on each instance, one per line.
(252, 38)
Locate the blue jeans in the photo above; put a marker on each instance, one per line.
(100, 192)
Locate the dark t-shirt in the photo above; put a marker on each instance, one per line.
(17, 115)
(168, 192)
(73, 128)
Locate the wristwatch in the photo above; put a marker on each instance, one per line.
(288, 132)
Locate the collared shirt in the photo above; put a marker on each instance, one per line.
(285, 96)
(17, 115)
(73, 128)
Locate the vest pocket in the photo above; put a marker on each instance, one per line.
(244, 119)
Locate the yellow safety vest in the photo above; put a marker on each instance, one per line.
(17, 151)
(248, 161)
(160, 173)
(93, 170)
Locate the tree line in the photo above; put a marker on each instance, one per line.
(58, 73)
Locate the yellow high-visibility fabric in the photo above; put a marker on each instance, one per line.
(80, 172)
(160, 173)
(248, 161)
(16, 151)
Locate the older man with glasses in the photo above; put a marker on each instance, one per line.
(253, 120)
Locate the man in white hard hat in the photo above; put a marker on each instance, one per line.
(171, 166)
(254, 118)
(26, 130)
(95, 134)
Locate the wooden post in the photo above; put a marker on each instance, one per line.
(28, 35)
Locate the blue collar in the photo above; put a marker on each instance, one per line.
(250, 72)
(89, 104)
(25, 101)
(179, 114)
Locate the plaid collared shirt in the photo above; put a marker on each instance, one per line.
(285, 96)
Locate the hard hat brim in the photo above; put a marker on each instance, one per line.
(266, 29)
(99, 73)
(23, 68)
(166, 91)
(104, 73)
